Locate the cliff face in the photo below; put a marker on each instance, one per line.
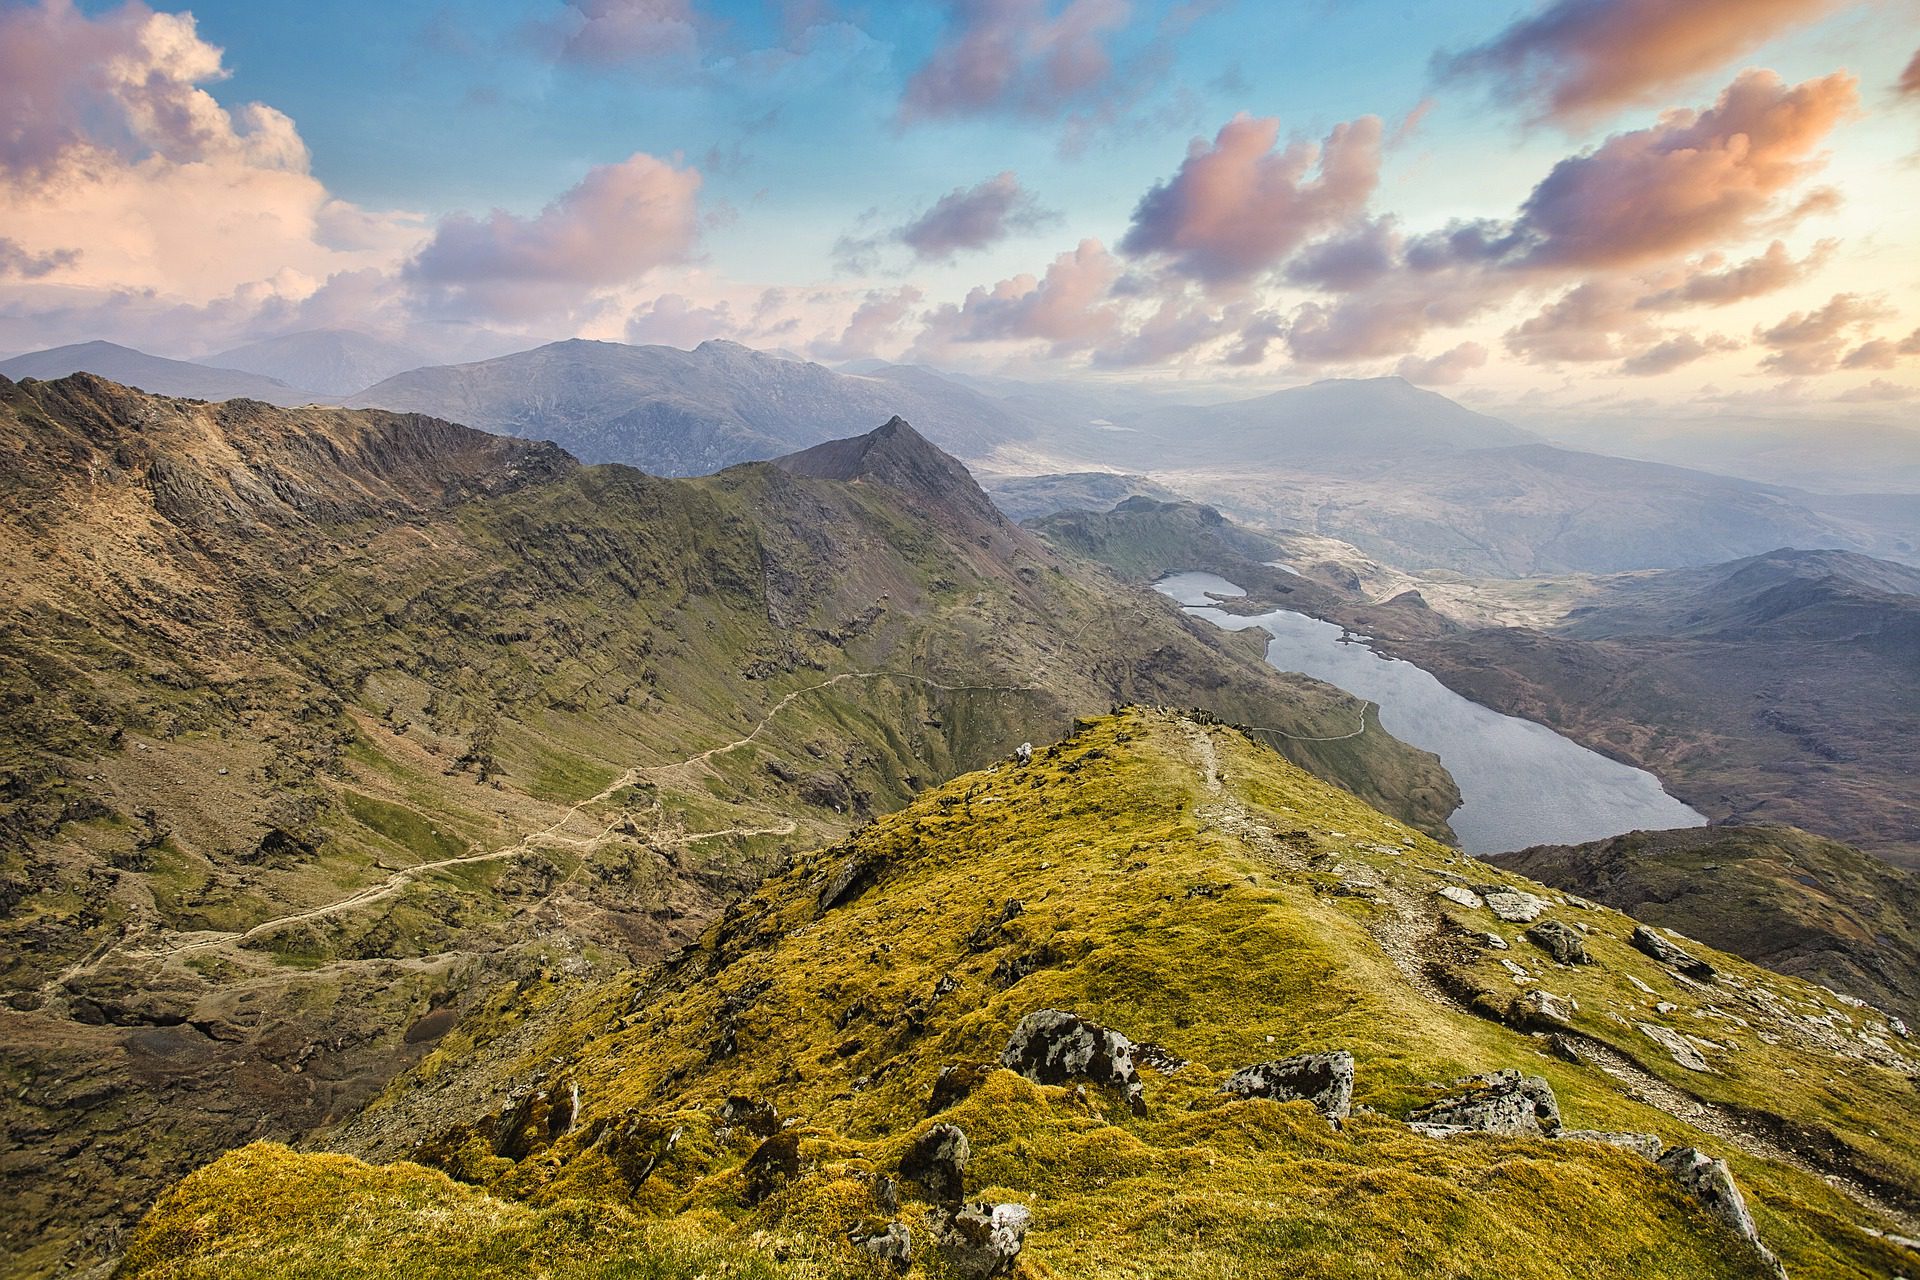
(1092, 1015)
(321, 723)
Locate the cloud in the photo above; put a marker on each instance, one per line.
(1690, 181)
(18, 263)
(1576, 61)
(1016, 56)
(619, 222)
(1672, 353)
(674, 320)
(1882, 353)
(615, 33)
(1070, 308)
(1809, 342)
(1237, 207)
(876, 323)
(1582, 323)
(1445, 369)
(1878, 391)
(972, 218)
(1775, 269)
(1909, 85)
(1351, 260)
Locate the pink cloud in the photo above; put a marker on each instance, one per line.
(611, 33)
(1445, 369)
(1810, 342)
(1579, 60)
(972, 218)
(1069, 308)
(1772, 270)
(1016, 55)
(1909, 85)
(1672, 353)
(674, 320)
(619, 222)
(1237, 207)
(876, 323)
(1882, 353)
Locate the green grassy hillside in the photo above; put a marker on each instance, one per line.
(1183, 885)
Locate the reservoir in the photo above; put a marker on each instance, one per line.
(1520, 783)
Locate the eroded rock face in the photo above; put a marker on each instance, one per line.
(1650, 942)
(937, 1160)
(1560, 942)
(1323, 1079)
(1503, 1102)
(1053, 1047)
(984, 1240)
(1710, 1182)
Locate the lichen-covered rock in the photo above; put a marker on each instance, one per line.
(1460, 895)
(1537, 1009)
(1323, 1079)
(894, 1245)
(1560, 942)
(955, 1082)
(1710, 1182)
(1646, 940)
(1515, 907)
(984, 1240)
(1500, 1102)
(1645, 1144)
(937, 1160)
(1054, 1047)
(1678, 1047)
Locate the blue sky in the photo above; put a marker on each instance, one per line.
(760, 164)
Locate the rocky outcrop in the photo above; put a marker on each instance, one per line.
(983, 1240)
(1504, 1102)
(894, 1245)
(1515, 907)
(1650, 942)
(937, 1161)
(1678, 1047)
(1644, 1144)
(1709, 1181)
(1053, 1047)
(1323, 1079)
(1559, 941)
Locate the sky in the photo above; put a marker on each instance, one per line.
(1627, 206)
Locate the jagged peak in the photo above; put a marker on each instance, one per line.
(896, 455)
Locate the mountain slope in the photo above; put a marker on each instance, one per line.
(153, 374)
(673, 412)
(1784, 898)
(333, 362)
(764, 1090)
(319, 723)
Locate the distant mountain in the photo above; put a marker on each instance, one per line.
(1795, 902)
(154, 374)
(682, 413)
(333, 362)
(1030, 497)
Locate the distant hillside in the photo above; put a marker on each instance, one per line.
(681, 413)
(333, 362)
(153, 374)
(1029, 497)
(1781, 897)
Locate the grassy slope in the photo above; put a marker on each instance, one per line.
(836, 1019)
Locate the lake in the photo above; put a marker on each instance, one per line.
(1520, 783)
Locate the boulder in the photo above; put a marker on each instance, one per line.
(1645, 1144)
(1709, 1181)
(1053, 1047)
(894, 1245)
(1560, 942)
(937, 1160)
(1678, 1046)
(1499, 1102)
(956, 1081)
(1323, 1079)
(773, 1162)
(983, 1240)
(1515, 907)
(1461, 895)
(1646, 940)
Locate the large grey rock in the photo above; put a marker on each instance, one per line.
(1053, 1047)
(1323, 1079)
(1645, 1144)
(1678, 1047)
(894, 1245)
(1460, 895)
(1560, 942)
(1710, 1182)
(1667, 953)
(983, 1240)
(1515, 907)
(1499, 1102)
(937, 1160)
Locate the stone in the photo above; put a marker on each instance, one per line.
(1677, 1046)
(894, 1245)
(1644, 1144)
(1710, 1182)
(1050, 1046)
(773, 1162)
(1515, 907)
(1538, 1009)
(1495, 941)
(983, 1240)
(1323, 1079)
(937, 1160)
(750, 1115)
(1503, 1101)
(1651, 943)
(1457, 894)
(1560, 942)
(956, 1081)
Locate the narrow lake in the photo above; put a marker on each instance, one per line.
(1520, 782)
